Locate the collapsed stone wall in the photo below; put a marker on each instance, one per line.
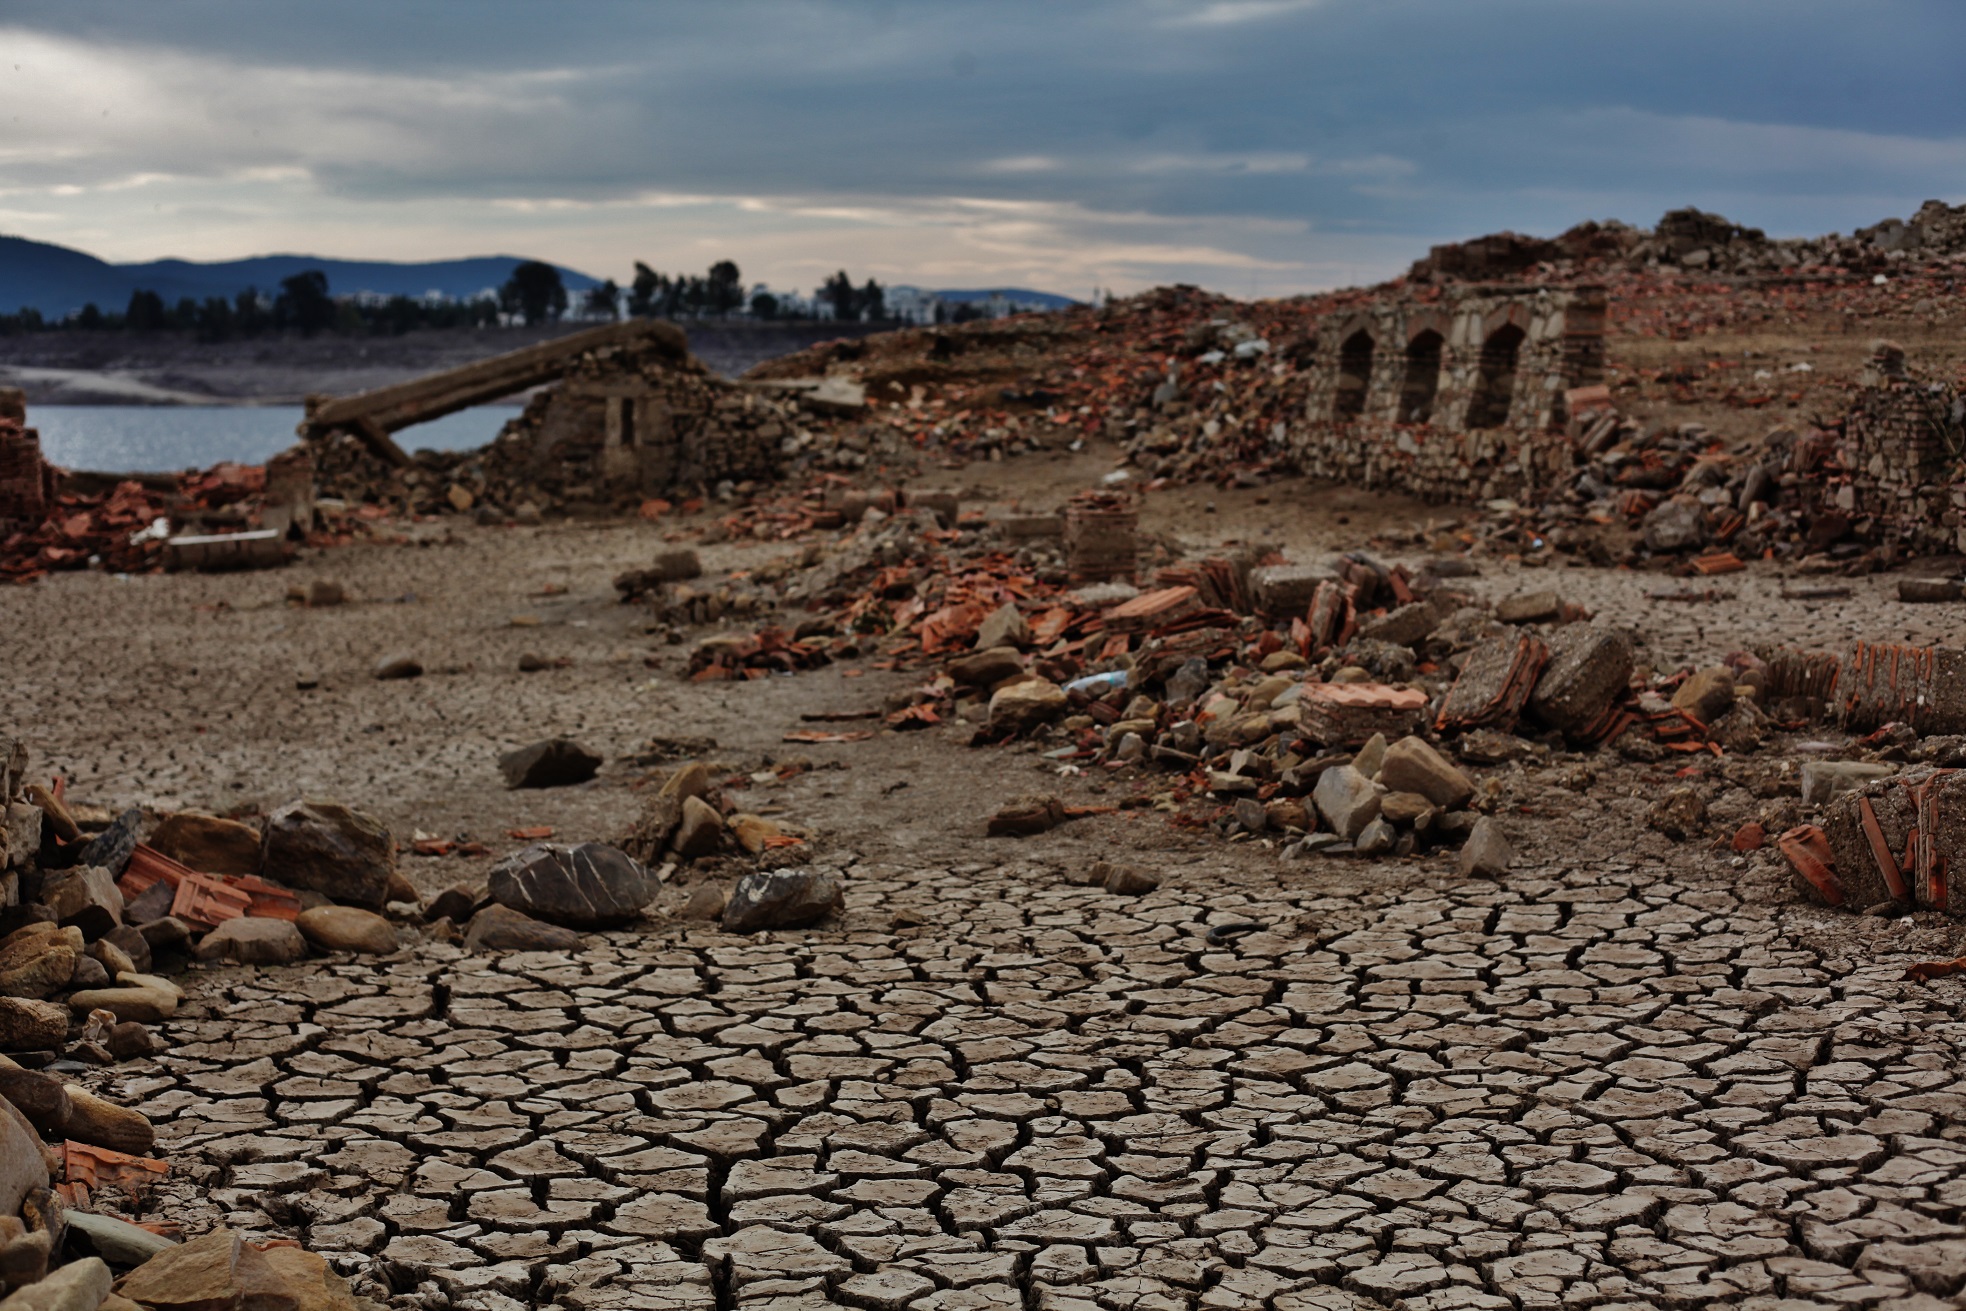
(26, 479)
(1895, 470)
(1452, 395)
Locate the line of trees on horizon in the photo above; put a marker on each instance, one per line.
(534, 293)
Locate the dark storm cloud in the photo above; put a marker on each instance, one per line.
(1419, 119)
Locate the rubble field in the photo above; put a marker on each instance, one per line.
(1628, 1071)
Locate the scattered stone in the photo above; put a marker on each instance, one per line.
(1404, 808)
(556, 762)
(783, 899)
(1529, 608)
(78, 1286)
(500, 928)
(253, 941)
(218, 1272)
(118, 1242)
(1409, 625)
(312, 1281)
(1486, 853)
(456, 903)
(588, 886)
(399, 665)
(754, 833)
(1930, 590)
(1412, 765)
(1020, 707)
(1825, 780)
(1125, 880)
(105, 1124)
(128, 1040)
(42, 1098)
(35, 963)
(1707, 695)
(86, 897)
(23, 1168)
(347, 928)
(701, 831)
(325, 592)
(1372, 756)
(1679, 524)
(706, 902)
(1589, 673)
(1025, 816)
(1004, 627)
(1347, 801)
(328, 848)
(208, 844)
(1376, 838)
(143, 998)
(28, 1025)
(987, 668)
(129, 941)
(1680, 814)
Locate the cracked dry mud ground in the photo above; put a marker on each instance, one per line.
(1626, 1075)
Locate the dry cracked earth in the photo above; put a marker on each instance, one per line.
(1629, 1074)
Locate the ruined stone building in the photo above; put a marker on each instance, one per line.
(27, 481)
(1454, 395)
(1896, 466)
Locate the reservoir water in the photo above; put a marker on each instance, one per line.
(167, 438)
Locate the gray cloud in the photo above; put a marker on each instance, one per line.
(1289, 141)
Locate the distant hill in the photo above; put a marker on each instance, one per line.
(1020, 295)
(57, 280)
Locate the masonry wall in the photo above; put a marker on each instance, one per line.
(1460, 394)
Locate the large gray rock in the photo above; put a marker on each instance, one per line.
(556, 762)
(783, 899)
(589, 886)
(327, 848)
(1347, 800)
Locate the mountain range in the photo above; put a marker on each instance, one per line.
(57, 280)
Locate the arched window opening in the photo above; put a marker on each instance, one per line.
(1495, 383)
(1354, 375)
(1416, 394)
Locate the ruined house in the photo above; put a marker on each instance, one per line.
(27, 481)
(1455, 395)
(1895, 467)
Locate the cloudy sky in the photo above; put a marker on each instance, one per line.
(1252, 146)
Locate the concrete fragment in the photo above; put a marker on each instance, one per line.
(1286, 589)
(1409, 625)
(1589, 672)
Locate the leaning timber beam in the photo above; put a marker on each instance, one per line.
(374, 415)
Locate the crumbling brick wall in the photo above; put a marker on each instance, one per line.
(27, 481)
(1896, 472)
(1454, 394)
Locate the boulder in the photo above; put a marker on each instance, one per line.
(588, 886)
(118, 1242)
(1347, 801)
(347, 928)
(85, 896)
(327, 848)
(27, 1025)
(783, 899)
(556, 762)
(144, 998)
(1412, 765)
(34, 964)
(207, 843)
(500, 928)
(1487, 853)
(253, 941)
(78, 1286)
(1022, 706)
(701, 831)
